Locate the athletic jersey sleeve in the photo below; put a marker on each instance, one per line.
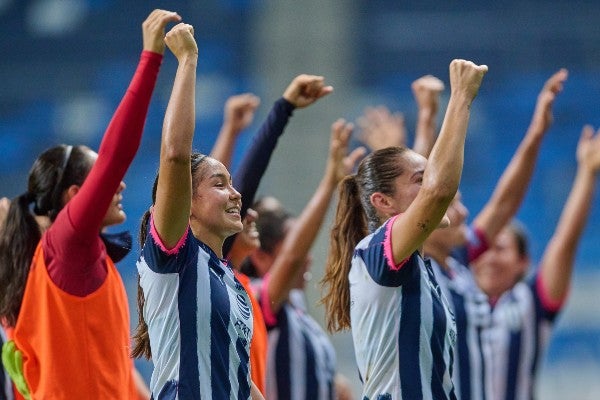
(161, 259)
(74, 252)
(375, 252)
(254, 164)
(548, 307)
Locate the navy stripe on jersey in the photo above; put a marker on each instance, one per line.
(464, 362)
(282, 358)
(301, 361)
(402, 327)
(187, 303)
(199, 321)
(409, 338)
(310, 368)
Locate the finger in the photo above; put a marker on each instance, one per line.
(356, 155)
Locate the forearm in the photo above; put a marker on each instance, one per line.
(290, 262)
(511, 187)
(425, 132)
(444, 167)
(224, 145)
(559, 256)
(256, 160)
(117, 150)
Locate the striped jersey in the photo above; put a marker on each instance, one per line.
(402, 327)
(514, 343)
(301, 358)
(472, 312)
(199, 320)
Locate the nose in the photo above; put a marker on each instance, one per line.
(235, 195)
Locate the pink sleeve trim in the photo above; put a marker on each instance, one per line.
(160, 243)
(265, 302)
(475, 251)
(548, 303)
(387, 246)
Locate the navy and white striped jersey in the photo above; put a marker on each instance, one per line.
(199, 320)
(514, 344)
(301, 358)
(472, 312)
(402, 327)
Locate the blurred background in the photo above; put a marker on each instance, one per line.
(66, 63)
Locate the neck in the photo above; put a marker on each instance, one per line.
(211, 240)
(436, 253)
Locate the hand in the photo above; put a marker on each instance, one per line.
(239, 111)
(305, 90)
(381, 129)
(181, 42)
(542, 116)
(153, 29)
(426, 91)
(340, 163)
(12, 359)
(588, 149)
(465, 78)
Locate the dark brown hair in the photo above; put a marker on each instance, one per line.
(355, 217)
(51, 174)
(141, 338)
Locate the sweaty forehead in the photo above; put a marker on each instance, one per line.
(214, 168)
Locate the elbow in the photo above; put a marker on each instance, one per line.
(175, 154)
(441, 193)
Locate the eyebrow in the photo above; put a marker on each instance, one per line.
(219, 175)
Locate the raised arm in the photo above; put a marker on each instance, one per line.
(174, 190)
(444, 167)
(303, 91)
(512, 185)
(557, 262)
(426, 91)
(122, 138)
(290, 260)
(238, 115)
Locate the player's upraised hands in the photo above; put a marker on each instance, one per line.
(340, 162)
(306, 89)
(380, 128)
(542, 116)
(240, 110)
(153, 29)
(181, 42)
(588, 149)
(466, 78)
(426, 91)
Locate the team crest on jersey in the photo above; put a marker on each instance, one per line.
(243, 306)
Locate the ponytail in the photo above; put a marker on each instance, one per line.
(18, 241)
(349, 227)
(141, 338)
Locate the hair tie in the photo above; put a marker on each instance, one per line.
(29, 197)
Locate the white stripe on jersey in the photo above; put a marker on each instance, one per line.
(399, 351)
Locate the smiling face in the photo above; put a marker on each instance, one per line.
(216, 204)
(501, 266)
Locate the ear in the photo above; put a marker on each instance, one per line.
(382, 203)
(70, 193)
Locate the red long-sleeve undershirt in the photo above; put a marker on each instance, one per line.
(74, 253)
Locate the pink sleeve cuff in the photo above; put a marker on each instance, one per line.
(160, 243)
(265, 302)
(547, 303)
(387, 246)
